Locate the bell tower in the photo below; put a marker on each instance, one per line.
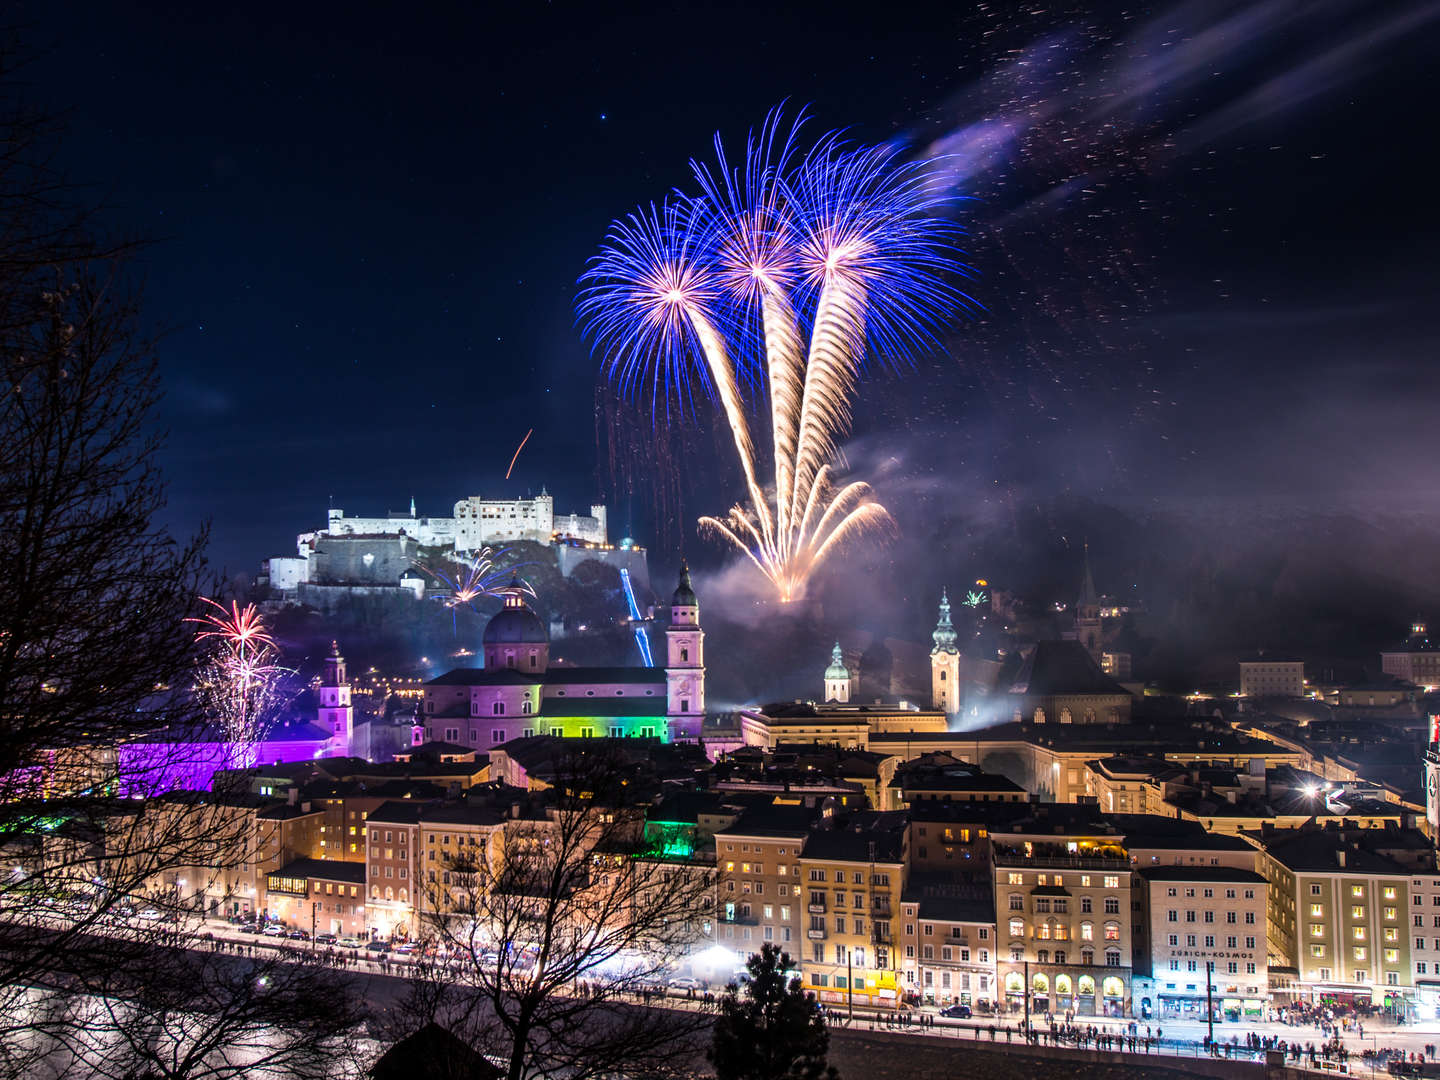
(945, 662)
(684, 664)
(837, 677)
(336, 716)
(1087, 613)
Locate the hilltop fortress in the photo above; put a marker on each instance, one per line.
(378, 552)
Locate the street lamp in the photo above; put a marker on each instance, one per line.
(1209, 1006)
(314, 911)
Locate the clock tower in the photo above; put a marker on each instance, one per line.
(337, 716)
(684, 664)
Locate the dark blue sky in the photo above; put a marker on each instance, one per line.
(1207, 254)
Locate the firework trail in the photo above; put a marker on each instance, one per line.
(516, 456)
(477, 577)
(844, 244)
(239, 680)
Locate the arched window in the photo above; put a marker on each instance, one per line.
(374, 892)
(684, 655)
(943, 675)
(525, 706)
(403, 896)
(1112, 931)
(389, 894)
(499, 708)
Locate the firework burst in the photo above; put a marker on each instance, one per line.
(238, 678)
(473, 577)
(786, 272)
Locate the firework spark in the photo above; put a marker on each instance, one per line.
(239, 680)
(845, 243)
(477, 577)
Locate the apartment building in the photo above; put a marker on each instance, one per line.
(1062, 880)
(1425, 944)
(854, 877)
(320, 896)
(947, 940)
(392, 858)
(1340, 911)
(760, 892)
(1199, 927)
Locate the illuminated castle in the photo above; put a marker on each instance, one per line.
(517, 693)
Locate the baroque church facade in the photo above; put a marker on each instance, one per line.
(518, 694)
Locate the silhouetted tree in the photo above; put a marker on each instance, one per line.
(770, 1029)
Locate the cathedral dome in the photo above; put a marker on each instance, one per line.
(837, 668)
(515, 624)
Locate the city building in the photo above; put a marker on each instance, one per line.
(761, 891)
(1263, 676)
(1062, 880)
(948, 942)
(518, 693)
(1200, 937)
(1339, 910)
(854, 877)
(1415, 660)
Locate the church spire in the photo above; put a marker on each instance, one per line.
(1089, 598)
(944, 636)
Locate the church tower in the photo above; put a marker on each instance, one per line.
(336, 716)
(1087, 613)
(837, 678)
(684, 664)
(945, 662)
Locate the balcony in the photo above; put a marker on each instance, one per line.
(1095, 863)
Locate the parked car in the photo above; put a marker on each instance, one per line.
(956, 1012)
(149, 914)
(685, 982)
(298, 935)
(378, 947)
(251, 928)
(274, 930)
(350, 943)
(325, 939)
(405, 948)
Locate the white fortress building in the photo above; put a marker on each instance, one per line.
(476, 522)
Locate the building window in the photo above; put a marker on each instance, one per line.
(498, 708)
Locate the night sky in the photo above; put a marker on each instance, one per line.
(1205, 237)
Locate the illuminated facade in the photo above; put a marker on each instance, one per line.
(1063, 909)
(945, 662)
(518, 694)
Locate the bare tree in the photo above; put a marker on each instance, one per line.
(551, 934)
(95, 659)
